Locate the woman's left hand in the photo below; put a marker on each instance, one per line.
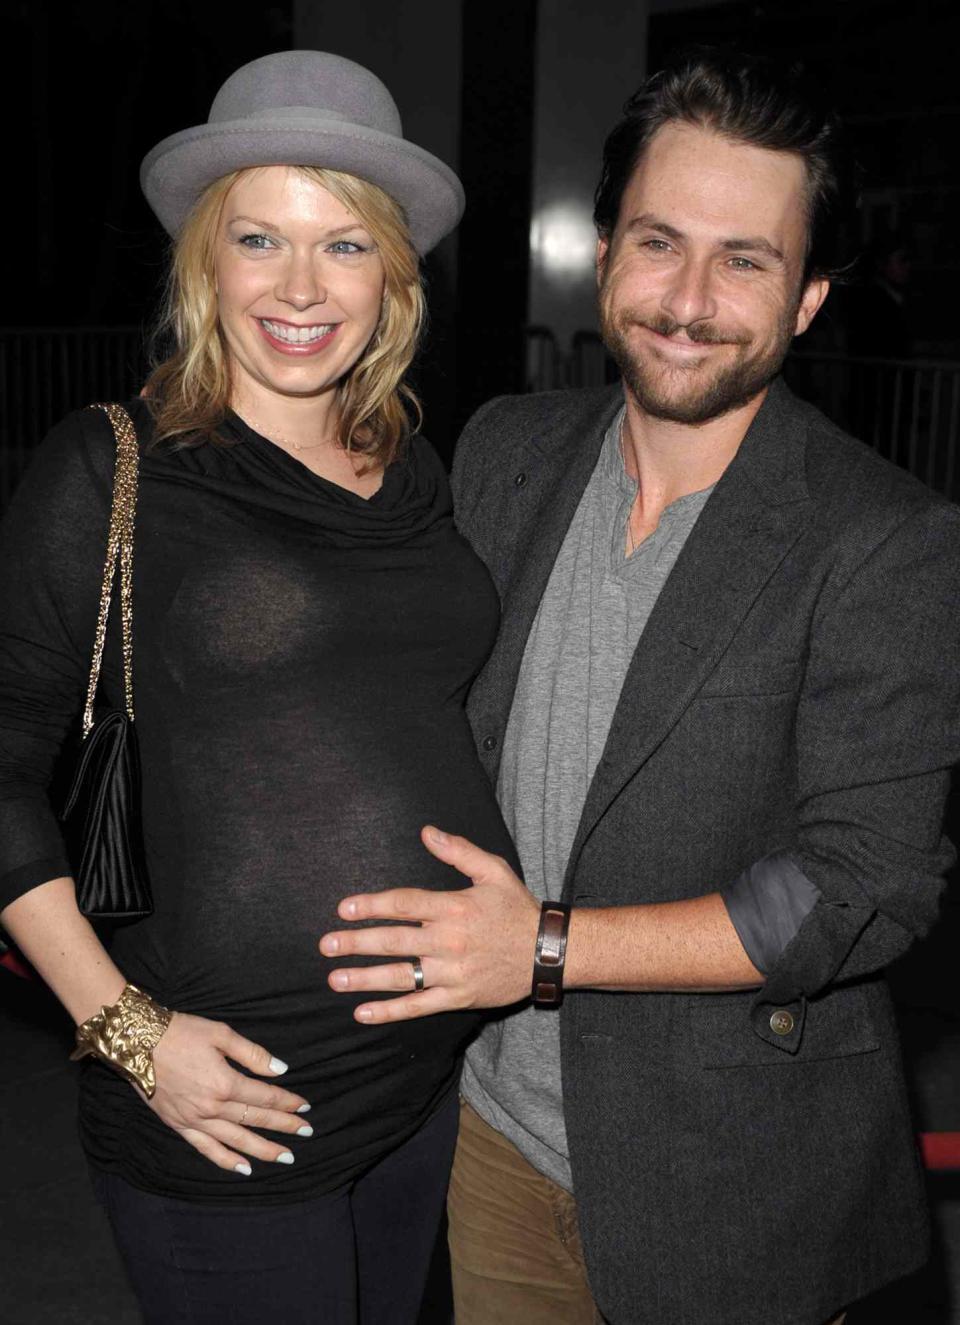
(475, 946)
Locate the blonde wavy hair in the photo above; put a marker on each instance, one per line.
(189, 391)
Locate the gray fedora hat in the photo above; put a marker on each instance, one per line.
(304, 108)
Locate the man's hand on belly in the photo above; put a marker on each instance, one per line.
(476, 947)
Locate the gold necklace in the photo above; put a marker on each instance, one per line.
(272, 436)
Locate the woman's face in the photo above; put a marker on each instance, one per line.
(299, 285)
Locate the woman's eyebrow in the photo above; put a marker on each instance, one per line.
(271, 225)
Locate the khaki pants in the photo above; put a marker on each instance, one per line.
(515, 1245)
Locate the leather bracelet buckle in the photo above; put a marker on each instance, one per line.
(550, 954)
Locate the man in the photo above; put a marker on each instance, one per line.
(720, 717)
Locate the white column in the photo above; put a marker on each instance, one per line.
(590, 58)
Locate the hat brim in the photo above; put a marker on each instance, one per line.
(177, 170)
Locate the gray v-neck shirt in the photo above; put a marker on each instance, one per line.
(592, 614)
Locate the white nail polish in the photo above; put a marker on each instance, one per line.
(245, 1169)
(277, 1066)
(306, 1130)
(285, 1157)
(304, 1108)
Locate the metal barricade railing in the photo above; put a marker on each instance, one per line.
(548, 367)
(544, 369)
(590, 364)
(906, 409)
(47, 371)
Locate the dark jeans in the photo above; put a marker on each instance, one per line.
(359, 1255)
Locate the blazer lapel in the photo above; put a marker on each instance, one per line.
(757, 511)
(569, 459)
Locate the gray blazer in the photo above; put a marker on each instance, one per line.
(747, 1158)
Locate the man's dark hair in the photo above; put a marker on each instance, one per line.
(749, 99)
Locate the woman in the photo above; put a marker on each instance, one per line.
(306, 622)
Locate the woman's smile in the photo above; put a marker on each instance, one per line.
(299, 341)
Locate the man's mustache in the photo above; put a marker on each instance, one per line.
(701, 333)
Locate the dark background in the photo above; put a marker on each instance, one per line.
(89, 88)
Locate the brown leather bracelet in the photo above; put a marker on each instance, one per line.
(550, 954)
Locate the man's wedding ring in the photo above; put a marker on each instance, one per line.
(417, 973)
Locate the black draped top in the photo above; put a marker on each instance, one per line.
(301, 656)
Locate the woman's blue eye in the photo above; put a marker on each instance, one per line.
(256, 241)
(345, 246)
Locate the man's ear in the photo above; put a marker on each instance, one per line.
(814, 293)
(603, 248)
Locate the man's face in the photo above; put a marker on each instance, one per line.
(701, 282)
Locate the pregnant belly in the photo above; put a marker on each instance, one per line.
(242, 899)
(249, 956)
(242, 905)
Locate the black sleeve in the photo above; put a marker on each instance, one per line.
(52, 546)
(877, 731)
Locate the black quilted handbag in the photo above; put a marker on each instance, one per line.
(101, 816)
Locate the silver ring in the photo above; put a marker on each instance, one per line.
(417, 973)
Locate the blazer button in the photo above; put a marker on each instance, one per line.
(781, 1023)
(520, 481)
(489, 743)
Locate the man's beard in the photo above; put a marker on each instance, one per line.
(658, 386)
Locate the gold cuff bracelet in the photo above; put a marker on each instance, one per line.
(125, 1036)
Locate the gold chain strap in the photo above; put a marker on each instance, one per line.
(119, 544)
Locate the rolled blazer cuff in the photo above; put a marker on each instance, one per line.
(767, 904)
